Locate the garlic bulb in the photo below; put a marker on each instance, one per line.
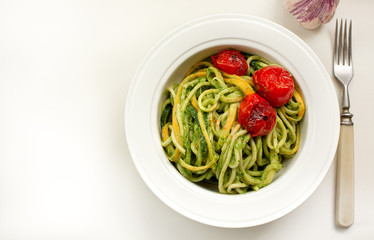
(311, 13)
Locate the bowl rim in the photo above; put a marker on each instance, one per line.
(155, 187)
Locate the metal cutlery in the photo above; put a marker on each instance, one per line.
(343, 71)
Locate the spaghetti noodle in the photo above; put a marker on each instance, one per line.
(202, 137)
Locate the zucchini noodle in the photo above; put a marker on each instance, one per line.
(201, 135)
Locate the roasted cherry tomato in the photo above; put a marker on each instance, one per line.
(275, 84)
(256, 115)
(231, 62)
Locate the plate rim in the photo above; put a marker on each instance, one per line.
(154, 188)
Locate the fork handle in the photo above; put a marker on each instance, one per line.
(345, 178)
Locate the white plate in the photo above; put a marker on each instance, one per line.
(168, 61)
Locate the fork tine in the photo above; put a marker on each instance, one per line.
(345, 44)
(350, 43)
(336, 54)
(340, 47)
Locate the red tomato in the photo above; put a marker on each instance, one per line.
(275, 84)
(256, 115)
(231, 62)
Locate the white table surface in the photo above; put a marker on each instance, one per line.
(65, 168)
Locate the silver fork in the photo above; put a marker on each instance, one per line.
(343, 71)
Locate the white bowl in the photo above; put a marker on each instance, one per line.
(168, 62)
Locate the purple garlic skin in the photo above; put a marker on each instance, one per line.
(311, 13)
